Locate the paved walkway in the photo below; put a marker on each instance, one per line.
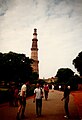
(53, 109)
(78, 101)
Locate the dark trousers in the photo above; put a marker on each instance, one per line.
(22, 105)
(46, 94)
(38, 106)
(66, 108)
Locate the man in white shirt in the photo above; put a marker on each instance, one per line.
(38, 94)
(22, 101)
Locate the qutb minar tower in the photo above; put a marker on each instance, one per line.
(34, 52)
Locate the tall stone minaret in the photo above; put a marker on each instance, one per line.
(34, 52)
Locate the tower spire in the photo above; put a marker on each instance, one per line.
(34, 52)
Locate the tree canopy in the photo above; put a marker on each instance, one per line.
(64, 74)
(15, 67)
(77, 62)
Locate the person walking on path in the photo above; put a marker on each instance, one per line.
(16, 91)
(22, 101)
(66, 100)
(38, 94)
(46, 90)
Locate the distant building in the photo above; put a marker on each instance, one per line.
(34, 52)
(51, 80)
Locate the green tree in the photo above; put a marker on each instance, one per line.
(1, 66)
(34, 77)
(64, 74)
(74, 80)
(15, 67)
(77, 62)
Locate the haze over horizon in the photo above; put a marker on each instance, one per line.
(59, 29)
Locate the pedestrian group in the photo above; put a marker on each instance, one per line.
(20, 99)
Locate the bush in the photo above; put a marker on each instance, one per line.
(4, 96)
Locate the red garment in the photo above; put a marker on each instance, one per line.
(16, 93)
(46, 88)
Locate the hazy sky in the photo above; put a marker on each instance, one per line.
(59, 28)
